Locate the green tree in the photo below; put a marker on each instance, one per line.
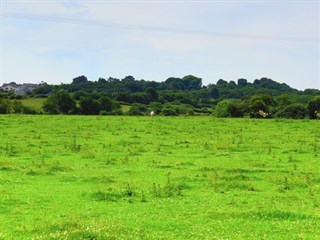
(284, 100)
(261, 102)
(102, 80)
(137, 109)
(266, 98)
(236, 108)
(17, 107)
(257, 105)
(156, 107)
(222, 82)
(60, 102)
(50, 105)
(169, 110)
(80, 79)
(128, 79)
(221, 109)
(152, 93)
(191, 82)
(66, 103)
(5, 106)
(242, 82)
(230, 108)
(106, 103)
(314, 107)
(295, 111)
(79, 94)
(214, 92)
(89, 106)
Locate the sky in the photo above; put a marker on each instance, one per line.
(56, 41)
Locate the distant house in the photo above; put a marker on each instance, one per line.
(9, 87)
(19, 89)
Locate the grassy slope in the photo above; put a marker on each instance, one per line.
(34, 103)
(76, 177)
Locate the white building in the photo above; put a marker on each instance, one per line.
(20, 89)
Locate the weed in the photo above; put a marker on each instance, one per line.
(74, 146)
(168, 190)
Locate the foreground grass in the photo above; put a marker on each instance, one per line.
(78, 177)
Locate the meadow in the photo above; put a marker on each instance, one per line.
(33, 103)
(122, 177)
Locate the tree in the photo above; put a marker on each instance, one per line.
(79, 94)
(5, 106)
(43, 89)
(214, 92)
(314, 107)
(242, 82)
(17, 106)
(191, 82)
(152, 93)
(230, 108)
(106, 103)
(137, 109)
(156, 107)
(80, 79)
(140, 97)
(60, 102)
(236, 108)
(50, 105)
(222, 82)
(128, 78)
(66, 104)
(89, 106)
(256, 82)
(174, 84)
(295, 110)
(102, 80)
(284, 100)
(169, 110)
(266, 98)
(221, 109)
(261, 102)
(112, 79)
(257, 105)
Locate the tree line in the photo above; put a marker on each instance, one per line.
(261, 98)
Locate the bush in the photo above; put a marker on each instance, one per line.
(89, 106)
(230, 108)
(28, 110)
(295, 111)
(5, 106)
(314, 107)
(137, 110)
(169, 112)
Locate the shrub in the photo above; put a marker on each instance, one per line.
(314, 107)
(230, 108)
(295, 110)
(137, 110)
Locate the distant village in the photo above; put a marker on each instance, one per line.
(20, 89)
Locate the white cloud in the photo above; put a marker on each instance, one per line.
(50, 51)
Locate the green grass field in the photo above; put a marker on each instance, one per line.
(97, 177)
(34, 103)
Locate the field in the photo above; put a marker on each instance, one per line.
(33, 103)
(116, 177)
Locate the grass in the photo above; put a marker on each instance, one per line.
(116, 177)
(125, 108)
(34, 103)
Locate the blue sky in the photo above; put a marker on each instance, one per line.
(120, 38)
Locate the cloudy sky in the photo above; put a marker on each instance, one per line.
(55, 41)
